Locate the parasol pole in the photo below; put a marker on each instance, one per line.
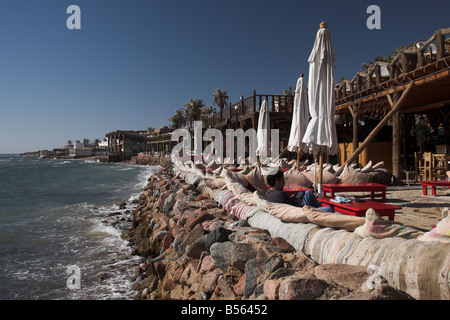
(319, 185)
(298, 150)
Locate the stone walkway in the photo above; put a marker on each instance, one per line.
(418, 211)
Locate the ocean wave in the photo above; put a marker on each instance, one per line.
(87, 233)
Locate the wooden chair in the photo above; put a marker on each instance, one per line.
(419, 167)
(428, 165)
(439, 166)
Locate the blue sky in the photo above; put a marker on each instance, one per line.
(134, 62)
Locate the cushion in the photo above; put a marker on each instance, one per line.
(367, 168)
(329, 168)
(227, 200)
(220, 182)
(350, 175)
(257, 180)
(212, 166)
(332, 220)
(381, 175)
(218, 171)
(286, 212)
(239, 191)
(284, 164)
(293, 176)
(312, 173)
(442, 231)
(378, 165)
(246, 170)
(377, 227)
(243, 211)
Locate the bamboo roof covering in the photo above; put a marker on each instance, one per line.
(372, 96)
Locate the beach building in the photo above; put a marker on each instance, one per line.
(122, 145)
(391, 108)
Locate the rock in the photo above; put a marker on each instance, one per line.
(192, 236)
(217, 235)
(281, 273)
(240, 254)
(387, 292)
(136, 286)
(221, 252)
(283, 244)
(239, 287)
(255, 268)
(207, 264)
(303, 262)
(195, 250)
(301, 288)
(210, 279)
(168, 284)
(271, 288)
(350, 276)
(166, 242)
(168, 204)
(225, 288)
(123, 205)
(204, 216)
(188, 216)
(177, 241)
(160, 268)
(202, 196)
(243, 223)
(189, 275)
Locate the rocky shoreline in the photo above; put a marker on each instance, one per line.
(194, 250)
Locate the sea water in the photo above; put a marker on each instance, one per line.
(54, 215)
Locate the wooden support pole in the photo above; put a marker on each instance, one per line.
(440, 45)
(396, 145)
(377, 128)
(355, 140)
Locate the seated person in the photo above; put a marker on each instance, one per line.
(276, 194)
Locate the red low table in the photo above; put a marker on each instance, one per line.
(433, 185)
(359, 208)
(355, 187)
(291, 189)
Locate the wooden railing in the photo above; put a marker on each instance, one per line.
(412, 57)
(251, 105)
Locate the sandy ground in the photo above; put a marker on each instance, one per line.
(419, 211)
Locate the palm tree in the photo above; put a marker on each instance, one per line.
(205, 113)
(97, 142)
(69, 142)
(150, 131)
(177, 120)
(86, 142)
(365, 66)
(193, 111)
(220, 98)
(288, 92)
